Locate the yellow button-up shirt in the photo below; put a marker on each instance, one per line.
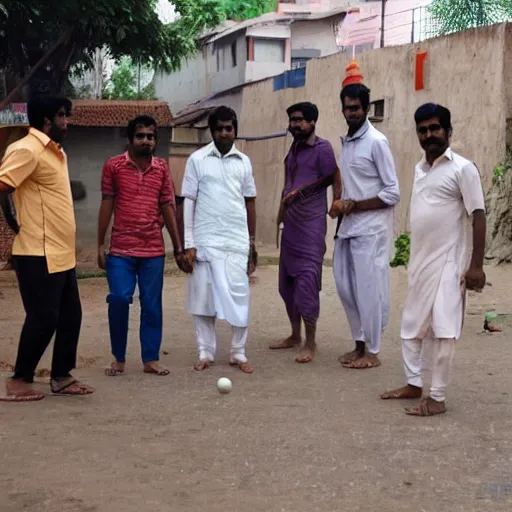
(36, 167)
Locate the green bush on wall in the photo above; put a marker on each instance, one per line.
(402, 251)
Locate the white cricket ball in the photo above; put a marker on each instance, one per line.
(224, 385)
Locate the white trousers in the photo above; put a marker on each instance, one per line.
(361, 272)
(207, 340)
(416, 359)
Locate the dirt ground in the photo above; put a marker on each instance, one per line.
(288, 438)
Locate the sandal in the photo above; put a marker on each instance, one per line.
(427, 407)
(70, 386)
(245, 367)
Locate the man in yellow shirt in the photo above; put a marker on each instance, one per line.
(34, 170)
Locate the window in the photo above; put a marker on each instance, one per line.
(221, 54)
(233, 54)
(299, 63)
(269, 50)
(376, 111)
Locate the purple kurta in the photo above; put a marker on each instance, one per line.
(305, 227)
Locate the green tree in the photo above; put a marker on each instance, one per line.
(246, 9)
(53, 35)
(456, 15)
(50, 36)
(125, 83)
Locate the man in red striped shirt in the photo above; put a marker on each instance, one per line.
(137, 189)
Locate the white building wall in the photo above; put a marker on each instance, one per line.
(185, 86)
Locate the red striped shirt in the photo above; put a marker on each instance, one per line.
(138, 198)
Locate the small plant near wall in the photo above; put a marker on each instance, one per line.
(498, 174)
(402, 251)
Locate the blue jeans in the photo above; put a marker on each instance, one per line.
(122, 275)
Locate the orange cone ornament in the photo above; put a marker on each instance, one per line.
(352, 74)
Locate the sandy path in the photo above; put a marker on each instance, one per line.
(288, 438)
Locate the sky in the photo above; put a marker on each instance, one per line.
(165, 11)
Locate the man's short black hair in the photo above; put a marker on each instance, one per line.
(145, 121)
(430, 110)
(46, 107)
(308, 110)
(223, 114)
(356, 92)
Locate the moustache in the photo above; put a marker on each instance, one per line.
(434, 141)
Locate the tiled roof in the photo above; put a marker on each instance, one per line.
(117, 113)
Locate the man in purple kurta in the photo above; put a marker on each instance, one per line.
(310, 168)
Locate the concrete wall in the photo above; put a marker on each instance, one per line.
(87, 150)
(184, 87)
(508, 68)
(464, 71)
(227, 76)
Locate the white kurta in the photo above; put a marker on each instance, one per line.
(443, 199)
(361, 252)
(218, 185)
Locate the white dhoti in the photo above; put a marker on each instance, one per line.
(219, 288)
(216, 188)
(361, 272)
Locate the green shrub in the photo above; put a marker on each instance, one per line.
(403, 247)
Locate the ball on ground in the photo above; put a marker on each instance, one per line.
(224, 385)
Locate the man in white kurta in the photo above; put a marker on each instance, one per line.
(217, 184)
(445, 259)
(361, 252)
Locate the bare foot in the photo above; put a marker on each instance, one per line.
(427, 407)
(367, 361)
(202, 365)
(115, 369)
(290, 342)
(349, 357)
(245, 367)
(20, 391)
(407, 392)
(156, 368)
(306, 355)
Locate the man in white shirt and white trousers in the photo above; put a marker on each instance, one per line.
(219, 230)
(447, 223)
(361, 253)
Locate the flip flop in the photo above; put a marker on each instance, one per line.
(245, 367)
(427, 407)
(81, 389)
(16, 398)
(110, 371)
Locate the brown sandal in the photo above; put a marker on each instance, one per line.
(245, 367)
(70, 386)
(427, 407)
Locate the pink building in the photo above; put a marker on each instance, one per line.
(312, 6)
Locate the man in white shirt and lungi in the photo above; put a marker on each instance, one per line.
(219, 231)
(361, 253)
(447, 223)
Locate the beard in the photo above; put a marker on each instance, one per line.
(57, 134)
(143, 151)
(299, 134)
